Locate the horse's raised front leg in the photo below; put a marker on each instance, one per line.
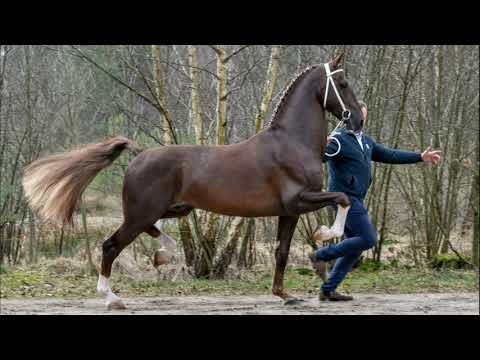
(310, 201)
(286, 228)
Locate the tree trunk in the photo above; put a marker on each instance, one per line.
(248, 239)
(1, 244)
(204, 264)
(232, 239)
(60, 245)
(187, 241)
(237, 223)
(91, 267)
(222, 74)
(31, 237)
(268, 88)
(207, 242)
(396, 135)
(186, 237)
(168, 137)
(195, 115)
(475, 239)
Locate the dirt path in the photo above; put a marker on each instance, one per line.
(267, 305)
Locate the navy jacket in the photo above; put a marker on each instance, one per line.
(350, 171)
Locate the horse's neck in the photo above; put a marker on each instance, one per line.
(303, 120)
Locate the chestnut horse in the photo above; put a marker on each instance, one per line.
(277, 172)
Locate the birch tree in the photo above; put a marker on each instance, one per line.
(236, 226)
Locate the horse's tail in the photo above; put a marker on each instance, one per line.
(53, 185)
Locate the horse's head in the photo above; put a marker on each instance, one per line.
(337, 96)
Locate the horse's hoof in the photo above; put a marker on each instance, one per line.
(293, 301)
(160, 258)
(116, 305)
(322, 234)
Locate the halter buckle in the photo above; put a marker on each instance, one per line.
(346, 114)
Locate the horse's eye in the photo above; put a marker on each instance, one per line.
(343, 84)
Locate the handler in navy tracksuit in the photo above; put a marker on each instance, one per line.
(350, 172)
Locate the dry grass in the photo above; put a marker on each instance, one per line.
(66, 278)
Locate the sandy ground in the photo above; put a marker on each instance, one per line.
(418, 304)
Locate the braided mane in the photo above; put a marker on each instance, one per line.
(288, 90)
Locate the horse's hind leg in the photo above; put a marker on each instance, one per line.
(141, 211)
(168, 245)
(111, 249)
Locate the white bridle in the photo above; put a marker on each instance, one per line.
(345, 114)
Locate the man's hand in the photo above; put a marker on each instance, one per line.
(329, 140)
(430, 156)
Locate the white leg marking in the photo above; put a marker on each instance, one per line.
(159, 224)
(324, 233)
(166, 242)
(112, 300)
(339, 224)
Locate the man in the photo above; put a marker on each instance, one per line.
(350, 172)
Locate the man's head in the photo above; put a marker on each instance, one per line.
(364, 109)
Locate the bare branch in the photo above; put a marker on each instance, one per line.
(156, 104)
(214, 48)
(236, 52)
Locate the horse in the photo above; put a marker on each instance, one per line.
(277, 172)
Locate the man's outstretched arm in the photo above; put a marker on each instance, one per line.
(383, 154)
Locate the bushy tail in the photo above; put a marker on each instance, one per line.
(53, 185)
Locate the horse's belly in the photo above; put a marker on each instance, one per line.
(232, 202)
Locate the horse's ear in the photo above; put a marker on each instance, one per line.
(338, 61)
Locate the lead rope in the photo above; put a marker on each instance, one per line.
(340, 124)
